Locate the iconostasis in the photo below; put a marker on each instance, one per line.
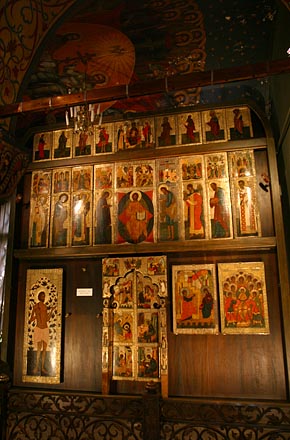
(203, 197)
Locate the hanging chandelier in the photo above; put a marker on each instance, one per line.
(82, 118)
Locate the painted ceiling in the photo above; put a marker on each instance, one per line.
(99, 44)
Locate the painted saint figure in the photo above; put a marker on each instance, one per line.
(80, 229)
(103, 139)
(103, 219)
(137, 218)
(238, 122)
(206, 304)
(39, 223)
(190, 128)
(83, 142)
(41, 315)
(133, 135)
(121, 138)
(220, 221)
(135, 214)
(62, 140)
(194, 205)
(59, 233)
(246, 209)
(188, 307)
(151, 366)
(147, 133)
(214, 124)
(165, 136)
(41, 145)
(169, 210)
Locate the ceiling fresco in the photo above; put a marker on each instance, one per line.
(105, 43)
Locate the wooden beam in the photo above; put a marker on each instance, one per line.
(151, 87)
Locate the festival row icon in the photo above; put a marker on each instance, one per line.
(185, 128)
(242, 292)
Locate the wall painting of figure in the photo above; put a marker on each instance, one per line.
(192, 167)
(61, 180)
(83, 142)
(147, 128)
(103, 203)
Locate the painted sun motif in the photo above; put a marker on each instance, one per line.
(99, 55)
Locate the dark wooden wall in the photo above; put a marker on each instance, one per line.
(234, 366)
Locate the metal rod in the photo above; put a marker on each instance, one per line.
(151, 87)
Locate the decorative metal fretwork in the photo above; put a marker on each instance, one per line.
(40, 416)
(194, 420)
(46, 416)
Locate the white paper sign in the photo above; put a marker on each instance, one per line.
(85, 292)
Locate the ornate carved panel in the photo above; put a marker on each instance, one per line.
(134, 319)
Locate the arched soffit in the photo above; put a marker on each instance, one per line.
(168, 37)
(23, 27)
(122, 44)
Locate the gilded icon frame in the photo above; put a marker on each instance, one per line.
(243, 298)
(195, 309)
(42, 146)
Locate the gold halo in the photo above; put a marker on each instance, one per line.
(108, 191)
(135, 192)
(162, 186)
